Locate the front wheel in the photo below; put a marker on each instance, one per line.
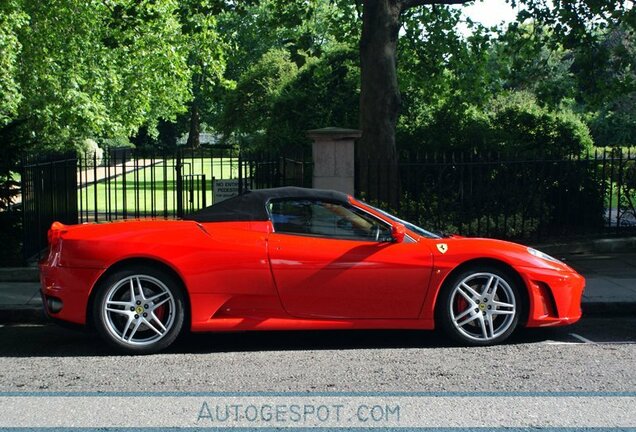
(480, 306)
(139, 310)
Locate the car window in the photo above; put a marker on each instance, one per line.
(319, 218)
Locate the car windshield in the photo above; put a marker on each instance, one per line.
(416, 229)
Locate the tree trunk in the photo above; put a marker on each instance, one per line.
(379, 101)
(195, 128)
(167, 135)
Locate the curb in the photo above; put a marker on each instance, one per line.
(23, 315)
(609, 309)
(20, 274)
(603, 245)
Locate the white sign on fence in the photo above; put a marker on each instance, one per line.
(227, 188)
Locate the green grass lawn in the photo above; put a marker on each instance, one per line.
(154, 187)
(611, 201)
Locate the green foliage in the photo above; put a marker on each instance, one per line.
(272, 68)
(527, 57)
(591, 45)
(121, 66)
(304, 28)
(519, 124)
(577, 23)
(440, 74)
(206, 57)
(299, 32)
(324, 93)
(10, 216)
(453, 88)
(275, 102)
(512, 122)
(11, 20)
(89, 152)
(104, 67)
(249, 107)
(13, 146)
(117, 142)
(609, 91)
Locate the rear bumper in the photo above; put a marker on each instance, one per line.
(555, 296)
(65, 291)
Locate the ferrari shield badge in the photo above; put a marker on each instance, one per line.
(442, 247)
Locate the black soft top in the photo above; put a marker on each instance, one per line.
(252, 205)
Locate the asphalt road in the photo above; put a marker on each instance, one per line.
(593, 355)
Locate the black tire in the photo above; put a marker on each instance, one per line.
(480, 320)
(145, 324)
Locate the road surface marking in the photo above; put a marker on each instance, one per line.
(564, 343)
(581, 338)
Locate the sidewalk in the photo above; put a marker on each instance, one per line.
(610, 289)
(20, 296)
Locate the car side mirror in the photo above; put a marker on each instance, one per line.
(398, 232)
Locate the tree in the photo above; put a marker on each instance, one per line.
(11, 20)
(574, 22)
(206, 61)
(99, 68)
(249, 108)
(446, 81)
(528, 58)
(379, 91)
(606, 75)
(330, 86)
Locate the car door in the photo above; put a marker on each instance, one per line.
(331, 260)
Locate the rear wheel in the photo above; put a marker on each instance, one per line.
(480, 306)
(139, 310)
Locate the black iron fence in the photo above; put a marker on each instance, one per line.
(136, 184)
(49, 193)
(512, 197)
(486, 195)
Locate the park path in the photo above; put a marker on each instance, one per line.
(87, 177)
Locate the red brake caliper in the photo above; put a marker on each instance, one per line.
(460, 305)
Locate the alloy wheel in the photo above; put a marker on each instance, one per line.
(482, 307)
(138, 310)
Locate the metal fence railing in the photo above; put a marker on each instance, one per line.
(129, 184)
(510, 197)
(520, 197)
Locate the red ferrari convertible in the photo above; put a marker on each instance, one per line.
(292, 258)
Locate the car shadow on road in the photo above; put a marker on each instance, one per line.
(51, 340)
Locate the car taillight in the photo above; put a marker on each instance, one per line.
(55, 242)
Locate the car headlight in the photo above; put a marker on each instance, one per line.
(542, 255)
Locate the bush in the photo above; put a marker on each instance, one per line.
(10, 218)
(512, 123)
(90, 153)
(275, 103)
(248, 107)
(520, 125)
(324, 93)
(11, 238)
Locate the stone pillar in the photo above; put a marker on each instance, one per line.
(333, 156)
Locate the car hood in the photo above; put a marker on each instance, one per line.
(462, 249)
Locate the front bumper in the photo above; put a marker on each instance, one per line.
(65, 291)
(555, 296)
